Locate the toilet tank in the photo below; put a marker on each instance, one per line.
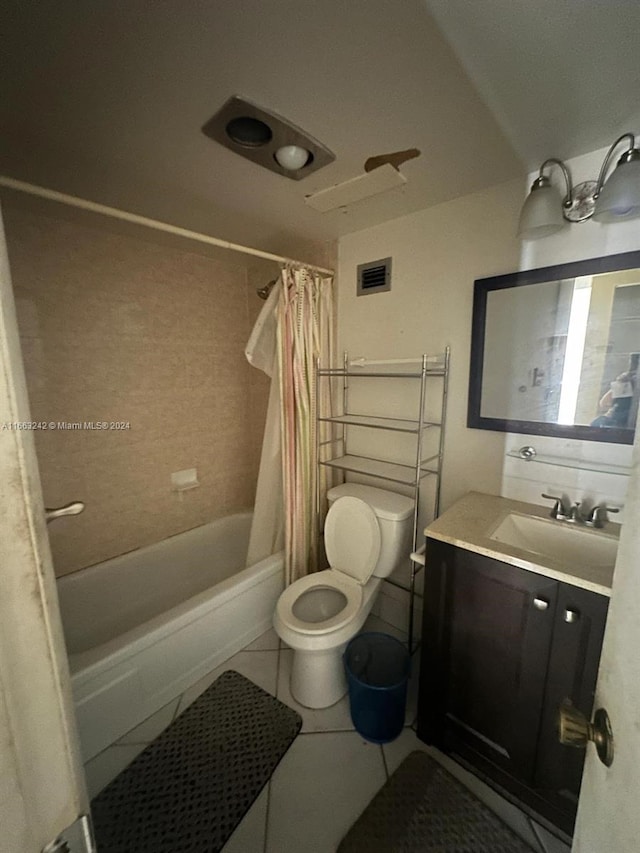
(395, 517)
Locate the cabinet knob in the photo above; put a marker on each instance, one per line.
(540, 603)
(575, 730)
(571, 615)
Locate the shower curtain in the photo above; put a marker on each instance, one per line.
(267, 528)
(294, 329)
(305, 334)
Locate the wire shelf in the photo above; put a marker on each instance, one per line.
(378, 422)
(407, 475)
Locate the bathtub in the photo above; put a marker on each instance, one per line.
(142, 628)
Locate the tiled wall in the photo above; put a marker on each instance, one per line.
(600, 475)
(119, 327)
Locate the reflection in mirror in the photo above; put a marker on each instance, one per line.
(558, 354)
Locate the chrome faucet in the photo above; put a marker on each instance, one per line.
(598, 515)
(575, 515)
(559, 511)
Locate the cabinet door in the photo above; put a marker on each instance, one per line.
(573, 669)
(486, 640)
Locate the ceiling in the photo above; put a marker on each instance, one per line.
(105, 100)
(562, 77)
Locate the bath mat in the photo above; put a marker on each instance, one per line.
(423, 808)
(191, 787)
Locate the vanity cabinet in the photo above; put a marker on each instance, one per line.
(501, 648)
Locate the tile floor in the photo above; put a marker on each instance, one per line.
(328, 775)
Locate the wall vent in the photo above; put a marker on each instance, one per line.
(374, 277)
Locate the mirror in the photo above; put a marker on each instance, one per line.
(556, 351)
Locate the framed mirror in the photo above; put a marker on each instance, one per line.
(556, 351)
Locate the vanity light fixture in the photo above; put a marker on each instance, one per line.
(267, 139)
(614, 200)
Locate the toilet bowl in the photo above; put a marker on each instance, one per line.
(367, 535)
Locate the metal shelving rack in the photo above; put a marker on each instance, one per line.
(407, 475)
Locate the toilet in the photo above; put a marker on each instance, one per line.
(367, 535)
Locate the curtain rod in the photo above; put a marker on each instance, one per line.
(94, 207)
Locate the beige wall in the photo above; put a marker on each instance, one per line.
(119, 327)
(437, 253)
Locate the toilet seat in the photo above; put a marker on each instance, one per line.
(352, 543)
(328, 579)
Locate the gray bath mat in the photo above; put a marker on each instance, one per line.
(191, 787)
(423, 809)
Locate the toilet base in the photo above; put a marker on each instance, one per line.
(318, 679)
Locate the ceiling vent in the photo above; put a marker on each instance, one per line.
(374, 277)
(267, 139)
(356, 189)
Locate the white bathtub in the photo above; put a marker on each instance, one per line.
(143, 627)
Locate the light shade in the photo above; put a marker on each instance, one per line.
(620, 196)
(292, 157)
(541, 213)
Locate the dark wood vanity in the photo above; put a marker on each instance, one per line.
(502, 647)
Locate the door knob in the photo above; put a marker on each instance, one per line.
(575, 730)
(74, 508)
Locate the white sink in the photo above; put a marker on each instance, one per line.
(558, 540)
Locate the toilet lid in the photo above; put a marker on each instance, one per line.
(352, 538)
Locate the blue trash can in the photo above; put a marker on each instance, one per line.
(377, 668)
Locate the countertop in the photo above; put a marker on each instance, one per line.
(471, 520)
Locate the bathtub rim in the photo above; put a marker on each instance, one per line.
(71, 578)
(94, 661)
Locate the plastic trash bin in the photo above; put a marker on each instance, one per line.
(377, 668)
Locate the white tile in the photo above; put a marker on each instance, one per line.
(269, 641)
(375, 623)
(320, 788)
(152, 726)
(333, 719)
(106, 765)
(249, 835)
(396, 751)
(395, 612)
(396, 592)
(259, 667)
(550, 843)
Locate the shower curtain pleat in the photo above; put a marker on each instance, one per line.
(293, 331)
(305, 333)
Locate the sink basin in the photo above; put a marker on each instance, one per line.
(559, 541)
